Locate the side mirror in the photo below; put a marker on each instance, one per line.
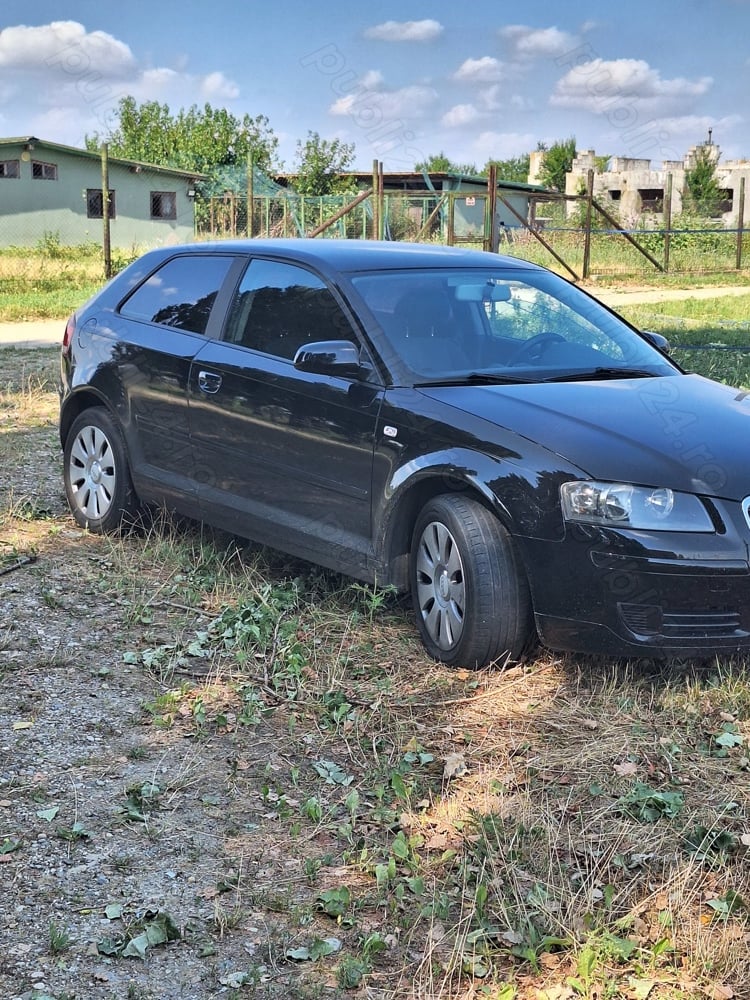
(329, 357)
(658, 340)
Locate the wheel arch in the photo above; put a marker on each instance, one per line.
(74, 405)
(405, 505)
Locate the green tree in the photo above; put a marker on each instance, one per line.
(320, 164)
(199, 139)
(514, 169)
(439, 163)
(557, 162)
(702, 193)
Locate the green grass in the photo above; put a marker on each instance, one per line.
(49, 281)
(612, 258)
(709, 324)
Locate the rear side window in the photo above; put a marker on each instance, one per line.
(181, 293)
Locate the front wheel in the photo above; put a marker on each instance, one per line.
(469, 591)
(96, 473)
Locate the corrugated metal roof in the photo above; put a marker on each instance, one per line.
(75, 151)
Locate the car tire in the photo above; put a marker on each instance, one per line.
(470, 594)
(96, 472)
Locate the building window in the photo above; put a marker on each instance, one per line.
(163, 204)
(726, 200)
(615, 194)
(43, 171)
(652, 199)
(94, 207)
(10, 168)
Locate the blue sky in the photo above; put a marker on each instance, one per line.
(398, 80)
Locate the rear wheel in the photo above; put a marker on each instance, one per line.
(96, 473)
(469, 591)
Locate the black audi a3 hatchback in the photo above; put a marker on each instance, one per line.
(467, 427)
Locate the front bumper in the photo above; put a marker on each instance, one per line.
(642, 594)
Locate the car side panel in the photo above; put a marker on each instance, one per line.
(284, 456)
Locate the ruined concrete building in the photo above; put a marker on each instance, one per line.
(634, 188)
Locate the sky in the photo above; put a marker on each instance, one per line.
(401, 81)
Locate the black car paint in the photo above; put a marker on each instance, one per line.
(339, 477)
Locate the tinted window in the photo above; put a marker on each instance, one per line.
(181, 293)
(279, 307)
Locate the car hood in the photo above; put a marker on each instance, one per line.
(682, 431)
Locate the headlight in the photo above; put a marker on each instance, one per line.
(626, 506)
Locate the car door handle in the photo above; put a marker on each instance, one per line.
(209, 382)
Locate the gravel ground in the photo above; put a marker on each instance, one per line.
(112, 829)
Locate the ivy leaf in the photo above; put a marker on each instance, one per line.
(729, 739)
(332, 773)
(298, 954)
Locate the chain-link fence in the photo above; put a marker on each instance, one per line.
(578, 244)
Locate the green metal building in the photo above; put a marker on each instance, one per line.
(48, 190)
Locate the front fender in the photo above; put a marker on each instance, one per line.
(524, 498)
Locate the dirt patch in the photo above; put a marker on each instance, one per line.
(145, 841)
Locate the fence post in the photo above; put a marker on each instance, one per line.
(667, 220)
(587, 235)
(375, 200)
(740, 223)
(381, 202)
(250, 194)
(107, 244)
(492, 207)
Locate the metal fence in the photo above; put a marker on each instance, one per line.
(434, 217)
(582, 244)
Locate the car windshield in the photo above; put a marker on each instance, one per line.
(513, 325)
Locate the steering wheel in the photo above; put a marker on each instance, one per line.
(533, 348)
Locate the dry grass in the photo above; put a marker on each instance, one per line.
(569, 827)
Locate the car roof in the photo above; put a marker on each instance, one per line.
(361, 255)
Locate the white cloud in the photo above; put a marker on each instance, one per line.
(372, 78)
(63, 81)
(459, 115)
(601, 84)
(154, 80)
(520, 103)
(670, 137)
(216, 86)
(492, 145)
(536, 43)
(405, 31)
(64, 45)
(383, 105)
(486, 69)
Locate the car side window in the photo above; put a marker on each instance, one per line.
(181, 293)
(279, 307)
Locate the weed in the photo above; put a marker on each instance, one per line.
(59, 939)
(350, 972)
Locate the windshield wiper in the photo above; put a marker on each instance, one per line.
(593, 374)
(477, 378)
